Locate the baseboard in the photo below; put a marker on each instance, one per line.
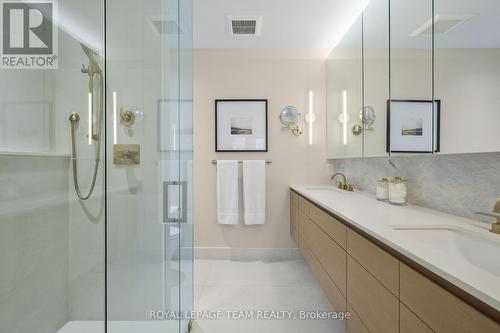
(247, 254)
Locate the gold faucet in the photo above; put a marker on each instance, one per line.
(495, 227)
(343, 185)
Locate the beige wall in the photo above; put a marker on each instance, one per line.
(284, 77)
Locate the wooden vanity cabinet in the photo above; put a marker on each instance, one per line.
(410, 323)
(330, 254)
(335, 296)
(335, 229)
(354, 324)
(382, 293)
(381, 265)
(304, 206)
(438, 308)
(294, 216)
(375, 305)
(325, 257)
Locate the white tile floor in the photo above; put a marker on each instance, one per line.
(257, 285)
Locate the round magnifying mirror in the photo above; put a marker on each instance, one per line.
(289, 116)
(367, 115)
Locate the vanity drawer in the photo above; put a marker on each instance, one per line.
(294, 198)
(336, 298)
(354, 324)
(302, 220)
(438, 308)
(331, 256)
(304, 205)
(410, 323)
(376, 306)
(334, 228)
(294, 217)
(383, 266)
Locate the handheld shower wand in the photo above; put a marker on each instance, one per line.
(90, 54)
(91, 70)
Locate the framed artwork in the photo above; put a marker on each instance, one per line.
(175, 125)
(413, 126)
(241, 125)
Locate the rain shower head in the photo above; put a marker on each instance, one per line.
(91, 55)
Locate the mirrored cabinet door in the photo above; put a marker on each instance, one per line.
(411, 123)
(376, 77)
(416, 77)
(467, 74)
(344, 95)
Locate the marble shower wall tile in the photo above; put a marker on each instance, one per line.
(33, 243)
(457, 184)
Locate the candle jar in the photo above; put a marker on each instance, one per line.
(397, 191)
(383, 189)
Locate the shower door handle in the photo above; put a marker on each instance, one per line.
(180, 214)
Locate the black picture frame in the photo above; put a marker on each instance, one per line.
(219, 150)
(436, 134)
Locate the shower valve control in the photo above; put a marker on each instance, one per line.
(126, 154)
(127, 118)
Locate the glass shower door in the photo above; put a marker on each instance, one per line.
(149, 163)
(95, 166)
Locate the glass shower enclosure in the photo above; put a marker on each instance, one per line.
(96, 166)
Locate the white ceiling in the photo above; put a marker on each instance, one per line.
(285, 23)
(481, 30)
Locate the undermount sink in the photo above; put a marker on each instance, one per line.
(480, 250)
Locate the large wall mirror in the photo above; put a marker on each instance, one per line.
(467, 74)
(345, 95)
(376, 76)
(430, 80)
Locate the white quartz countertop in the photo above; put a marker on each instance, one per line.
(462, 253)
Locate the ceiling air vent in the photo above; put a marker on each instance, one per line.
(443, 24)
(243, 25)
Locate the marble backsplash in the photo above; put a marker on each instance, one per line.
(459, 184)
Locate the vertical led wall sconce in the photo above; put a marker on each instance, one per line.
(344, 117)
(310, 116)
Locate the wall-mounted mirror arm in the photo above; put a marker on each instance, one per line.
(289, 118)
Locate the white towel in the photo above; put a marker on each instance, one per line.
(227, 192)
(254, 191)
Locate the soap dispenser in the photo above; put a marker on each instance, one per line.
(397, 191)
(383, 189)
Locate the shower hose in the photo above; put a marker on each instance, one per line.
(74, 118)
